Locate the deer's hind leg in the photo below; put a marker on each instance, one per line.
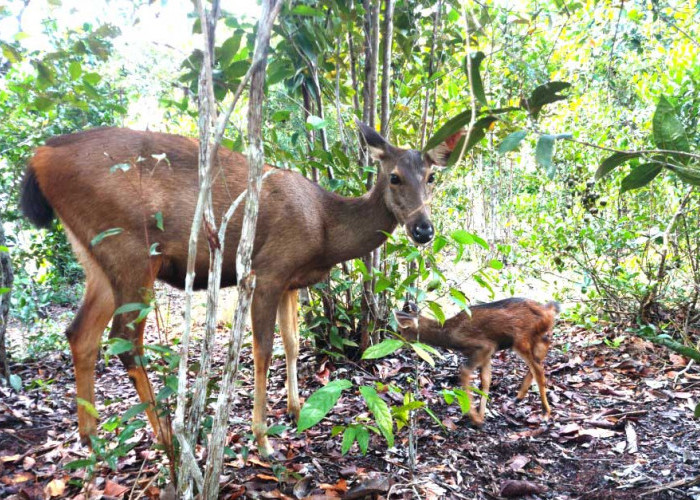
(287, 318)
(479, 356)
(85, 333)
(536, 371)
(136, 287)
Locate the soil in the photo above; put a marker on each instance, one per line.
(622, 428)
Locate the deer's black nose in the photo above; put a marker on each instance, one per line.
(422, 232)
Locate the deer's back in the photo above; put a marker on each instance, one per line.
(110, 178)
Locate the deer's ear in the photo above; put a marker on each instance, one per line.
(379, 148)
(405, 320)
(441, 153)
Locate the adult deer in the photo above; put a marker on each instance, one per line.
(302, 231)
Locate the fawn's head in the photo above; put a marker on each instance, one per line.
(409, 180)
(407, 321)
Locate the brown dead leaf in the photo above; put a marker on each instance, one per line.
(20, 477)
(114, 490)
(10, 458)
(518, 462)
(55, 488)
(449, 424)
(597, 433)
(255, 461)
(28, 462)
(266, 477)
(678, 360)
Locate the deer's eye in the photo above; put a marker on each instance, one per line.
(431, 178)
(394, 179)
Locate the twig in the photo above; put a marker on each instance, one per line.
(672, 485)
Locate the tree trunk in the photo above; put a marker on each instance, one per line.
(6, 278)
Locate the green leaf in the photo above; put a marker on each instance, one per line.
(381, 413)
(89, 408)
(459, 298)
(687, 175)
(544, 94)
(384, 348)
(460, 396)
(512, 141)
(613, 161)
(423, 354)
(82, 463)
(462, 236)
(281, 115)
(45, 75)
(105, 234)
(362, 437)
(640, 176)
(668, 130)
(697, 410)
(437, 311)
(439, 243)
(130, 307)
(305, 10)
(15, 382)
(477, 85)
(348, 439)
(92, 78)
(382, 284)
(495, 264)
(119, 345)
(229, 49)
(320, 403)
(134, 410)
(315, 123)
(477, 134)
(158, 216)
(42, 103)
(4, 290)
(276, 430)
(448, 129)
(75, 70)
(544, 152)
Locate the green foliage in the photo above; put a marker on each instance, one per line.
(320, 403)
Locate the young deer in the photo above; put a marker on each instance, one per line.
(521, 324)
(302, 231)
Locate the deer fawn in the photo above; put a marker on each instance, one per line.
(302, 231)
(521, 324)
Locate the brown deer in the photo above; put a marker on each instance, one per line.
(521, 324)
(302, 231)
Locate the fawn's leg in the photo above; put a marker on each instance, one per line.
(287, 318)
(485, 385)
(265, 302)
(466, 380)
(85, 332)
(527, 382)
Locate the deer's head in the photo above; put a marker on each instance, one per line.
(408, 178)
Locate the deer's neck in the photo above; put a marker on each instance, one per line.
(430, 332)
(356, 226)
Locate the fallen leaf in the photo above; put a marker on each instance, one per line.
(55, 488)
(518, 462)
(114, 490)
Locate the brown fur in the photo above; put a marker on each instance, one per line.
(302, 231)
(521, 324)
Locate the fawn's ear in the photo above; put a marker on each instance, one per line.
(441, 153)
(406, 320)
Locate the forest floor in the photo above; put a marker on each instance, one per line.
(622, 428)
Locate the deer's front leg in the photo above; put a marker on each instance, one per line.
(287, 318)
(265, 304)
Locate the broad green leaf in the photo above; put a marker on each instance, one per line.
(544, 94)
(437, 311)
(423, 354)
(384, 348)
(118, 346)
(134, 410)
(305, 10)
(495, 264)
(439, 243)
(640, 176)
(82, 463)
(42, 103)
(462, 236)
(544, 152)
(158, 216)
(276, 430)
(75, 70)
(229, 49)
(315, 123)
(687, 175)
(512, 141)
(320, 403)
(348, 439)
(668, 130)
(15, 382)
(448, 129)
(697, 411)
(459, 298)
(477, 85)
(478, 133)
(89, 408)
(613, 161)
(281, 115)
(382, 284)
(381, 413)
(130, 307)
(92, 78)
(362, 437)
(4, 290)
(45, 75)
(105, 234)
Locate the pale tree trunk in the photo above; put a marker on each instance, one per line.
(246, 278)
(5, 288)
(211, 133)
